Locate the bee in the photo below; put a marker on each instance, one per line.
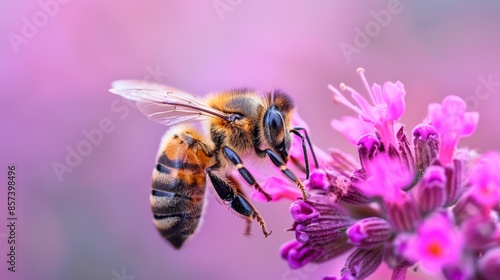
(240, 124)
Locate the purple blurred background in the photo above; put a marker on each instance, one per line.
(57, 62)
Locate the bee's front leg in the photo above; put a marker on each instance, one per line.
(236, 160)
(280, 163)
(295, 131)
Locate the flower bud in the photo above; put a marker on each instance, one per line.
(369, 232)
(355, 196)
(333, 249)
(431, 190)
(323, 231)
(426, 144)
(368, 147)
(319, 221)
(303, 211)
(363, 262)
(318, 180)
(298, 254)
(403, 214)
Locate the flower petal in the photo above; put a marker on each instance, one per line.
(278, 188)
(393, 95)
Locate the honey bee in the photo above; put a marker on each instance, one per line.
(240, 123)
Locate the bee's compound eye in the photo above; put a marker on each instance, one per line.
(274, 129)
(273, 122)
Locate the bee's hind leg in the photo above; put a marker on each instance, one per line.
(248, 227)
(237, 201)
(242, 206)
(237, 186)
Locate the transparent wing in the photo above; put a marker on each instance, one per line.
(164, 104)
(138, 84)
(169, 114)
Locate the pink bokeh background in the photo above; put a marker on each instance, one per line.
(96, 221)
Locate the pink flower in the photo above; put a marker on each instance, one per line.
(436, 244)
(485, 180)
(452, 121)
(433, 205)
(386, 177)
(388, 105)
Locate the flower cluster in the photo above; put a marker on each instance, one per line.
(420, 201)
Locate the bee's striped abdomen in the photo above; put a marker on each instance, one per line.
(178, 188)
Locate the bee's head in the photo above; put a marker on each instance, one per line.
(277, 121)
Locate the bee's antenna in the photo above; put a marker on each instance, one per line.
(295, 131)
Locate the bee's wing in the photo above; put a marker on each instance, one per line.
(164, 104)
(137, 84)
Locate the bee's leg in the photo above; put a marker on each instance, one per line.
(239, 190)
(280, 163)
(248, 228)
(236, 200)
(236, 160)
(242, 206)
(295, 131)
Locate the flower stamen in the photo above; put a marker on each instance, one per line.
(361, 72)
(340, 98)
